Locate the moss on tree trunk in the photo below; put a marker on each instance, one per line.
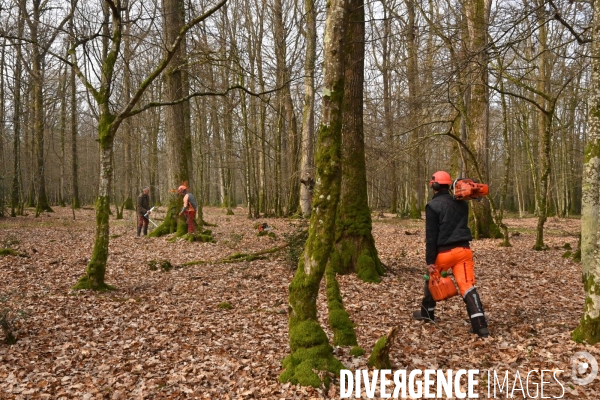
(355, 247)
(310, 350)
(588, 330)
(96, 268)
(589, 326)
(339, 320)
(172, 223)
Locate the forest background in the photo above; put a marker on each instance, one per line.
(421, 90)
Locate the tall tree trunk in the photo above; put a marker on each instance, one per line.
(177, 120)
(96, 268)
(355, 247)
(307, 178)
(63, 134)
(127, 129)
(293, 153)
(477, 12)
(310, 350)
(3, 168)
(414, 108)
(589, 326)
(76, 203)
(16, 183)
(544, 131)
(38, 111)
(154, 167)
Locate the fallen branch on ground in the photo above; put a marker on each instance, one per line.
(239, 257)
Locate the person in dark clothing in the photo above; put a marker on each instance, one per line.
(447, 237)
(143, 210)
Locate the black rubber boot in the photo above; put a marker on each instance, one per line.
(424, 315)
(145, 230)
(427, 306)
(139, 230)
(476, 313)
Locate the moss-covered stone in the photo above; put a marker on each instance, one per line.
(380, 358)
(357, 351)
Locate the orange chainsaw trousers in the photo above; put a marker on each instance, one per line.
(190, 215)
(460, 260)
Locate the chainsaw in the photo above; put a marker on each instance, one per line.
(468, 189)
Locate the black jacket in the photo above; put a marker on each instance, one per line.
(446, 225)
(143, 204)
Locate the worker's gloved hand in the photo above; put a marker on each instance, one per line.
(432, 268)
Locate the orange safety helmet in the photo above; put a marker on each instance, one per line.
(440, 178)
(181, 189)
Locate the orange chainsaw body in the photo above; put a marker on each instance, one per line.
(467, 189)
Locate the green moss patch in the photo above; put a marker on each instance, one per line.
(380, 358)
(8, 252)
(165, 265)
(225, 306)
(85, 283)
(339, 320)
(367, 269)
(357, 351)
(310, 352)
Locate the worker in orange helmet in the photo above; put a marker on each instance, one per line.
(447, 238)
(189, 207)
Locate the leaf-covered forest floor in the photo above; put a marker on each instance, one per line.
(170, 335)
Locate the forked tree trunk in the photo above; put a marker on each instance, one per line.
(310, 350)
(589, 326)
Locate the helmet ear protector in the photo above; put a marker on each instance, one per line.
(438, 179)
